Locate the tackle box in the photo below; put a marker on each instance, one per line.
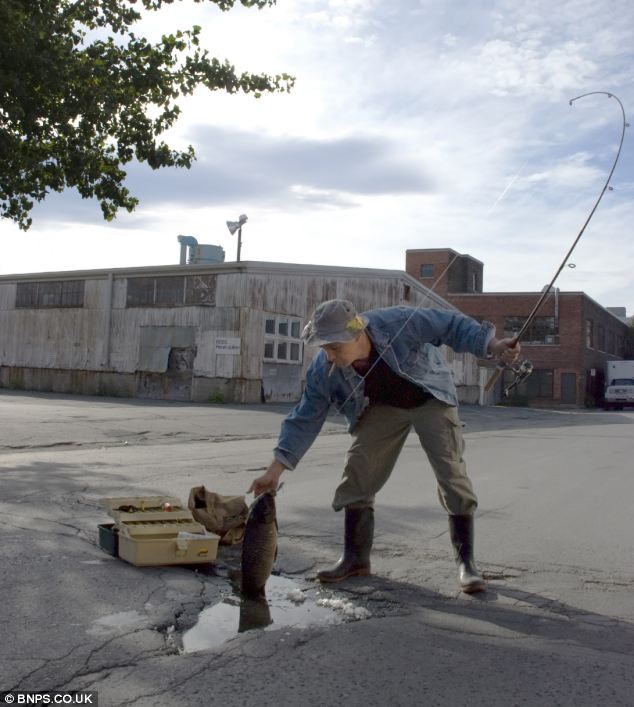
(145, 534)
(109, 539)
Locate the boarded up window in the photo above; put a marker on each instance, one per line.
(174, 291)
(201, 290)
(62, 293)
(26, 295)
(169, 291)
(166, 348)
(140, 292)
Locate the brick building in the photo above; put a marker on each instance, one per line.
(569, 342)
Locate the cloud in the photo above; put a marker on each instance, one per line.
(238, 165)
(575, 172)
(321, 197)
(413, 124)
(67, 209)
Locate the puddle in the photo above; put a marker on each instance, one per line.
(286, 607)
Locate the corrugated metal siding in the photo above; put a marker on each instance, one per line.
(252, 328)
(77, 339)
(7, 296)
(95, 292)
(51, 338)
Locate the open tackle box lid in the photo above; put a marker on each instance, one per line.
(138, 516)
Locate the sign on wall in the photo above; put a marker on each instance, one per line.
(228, 345)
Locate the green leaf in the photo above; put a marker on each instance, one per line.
(74, 111)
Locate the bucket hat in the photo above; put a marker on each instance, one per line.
(334, 321)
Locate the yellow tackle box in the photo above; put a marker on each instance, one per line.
(150, 535)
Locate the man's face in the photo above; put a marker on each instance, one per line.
(344, 353)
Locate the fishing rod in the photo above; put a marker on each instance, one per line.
(427, 297)
(522, 371)
(525, 368)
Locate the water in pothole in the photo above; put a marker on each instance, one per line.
(286, 606)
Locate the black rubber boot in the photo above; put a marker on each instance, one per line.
(355, 561)
(461, 532)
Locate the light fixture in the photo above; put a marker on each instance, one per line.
(234, 226)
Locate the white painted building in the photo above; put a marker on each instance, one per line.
(227, 332)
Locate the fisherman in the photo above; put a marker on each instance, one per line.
(383, 370)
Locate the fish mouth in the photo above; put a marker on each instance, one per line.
(271, 492)
(263, 508)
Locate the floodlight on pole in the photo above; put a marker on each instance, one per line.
(234, 226)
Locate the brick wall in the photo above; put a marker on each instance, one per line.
(449, 271)
(571, 355)
(438, 259)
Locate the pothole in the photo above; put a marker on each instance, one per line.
(286, 606)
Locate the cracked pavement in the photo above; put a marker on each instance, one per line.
(554, 536)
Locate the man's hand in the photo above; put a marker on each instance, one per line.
(506, 350)
(269, 481)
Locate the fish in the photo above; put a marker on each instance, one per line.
(259, 546)
(254, 613)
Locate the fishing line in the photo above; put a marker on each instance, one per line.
(508, 186)
(547, 290)
(426, 298)
(500, 368)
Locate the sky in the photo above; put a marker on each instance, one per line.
(412, 124)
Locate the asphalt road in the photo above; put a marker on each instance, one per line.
(554, 539)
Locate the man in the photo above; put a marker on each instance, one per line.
(383, 370)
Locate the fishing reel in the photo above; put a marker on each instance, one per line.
(521, 373)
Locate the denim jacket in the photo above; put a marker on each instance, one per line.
(408, 340)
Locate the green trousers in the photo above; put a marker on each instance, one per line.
(378, 439)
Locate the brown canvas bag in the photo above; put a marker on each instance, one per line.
(224, 515)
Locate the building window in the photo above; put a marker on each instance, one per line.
(601, 337)
(176, 291)
(542, 330)
(589, 333)
(540, 384)
(426, 270)
(39, 295)
(611, 345)
(282, 339)
(169, 291)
